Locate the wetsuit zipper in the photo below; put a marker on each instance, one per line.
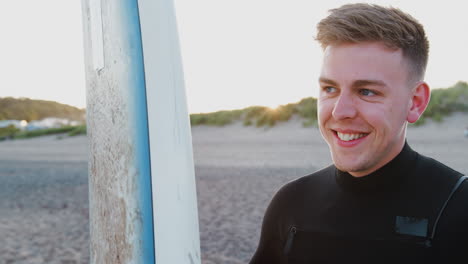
(289, 240)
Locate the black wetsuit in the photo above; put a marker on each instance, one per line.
(385, 217)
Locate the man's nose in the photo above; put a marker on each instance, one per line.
(344, 108)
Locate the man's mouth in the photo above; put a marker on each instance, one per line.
(350, 136)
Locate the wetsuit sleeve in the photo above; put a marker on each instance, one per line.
(270, 247)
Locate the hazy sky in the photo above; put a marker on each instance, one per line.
(235, 53)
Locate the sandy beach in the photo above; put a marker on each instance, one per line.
(44, 186)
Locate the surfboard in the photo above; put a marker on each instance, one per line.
(142, 191)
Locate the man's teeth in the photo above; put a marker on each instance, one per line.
(349, 137)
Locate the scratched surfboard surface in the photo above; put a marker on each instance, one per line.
(143, 206)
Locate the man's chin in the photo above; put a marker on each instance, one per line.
(356, 169)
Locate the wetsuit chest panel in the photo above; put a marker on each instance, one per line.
(307, 247)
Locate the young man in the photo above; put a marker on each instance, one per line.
(380, 201)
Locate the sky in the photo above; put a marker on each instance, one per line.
(234, 53)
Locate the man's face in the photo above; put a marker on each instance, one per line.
(363, 105)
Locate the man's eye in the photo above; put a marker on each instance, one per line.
(329, 89)
(366, 92)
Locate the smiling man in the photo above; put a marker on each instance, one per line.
(366, 99)
(380, 201)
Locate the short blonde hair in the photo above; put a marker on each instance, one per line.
(355, 23)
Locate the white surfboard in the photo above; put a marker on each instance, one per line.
(143, 206)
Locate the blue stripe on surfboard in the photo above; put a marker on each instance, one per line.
(140, 117)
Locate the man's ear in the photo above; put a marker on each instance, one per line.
(419, 101)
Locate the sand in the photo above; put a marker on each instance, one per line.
(44, 187)
(44, 201)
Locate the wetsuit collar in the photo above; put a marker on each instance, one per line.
(385, 178)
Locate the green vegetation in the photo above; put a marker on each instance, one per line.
(443, 103)
(77, 130)
(12, 132)
(70, 130)
(219, 118)
(260, 115)
(28, 109)
(8, 132)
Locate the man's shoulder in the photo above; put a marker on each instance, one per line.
(435, 177)
(451, 188)
(437, 169)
